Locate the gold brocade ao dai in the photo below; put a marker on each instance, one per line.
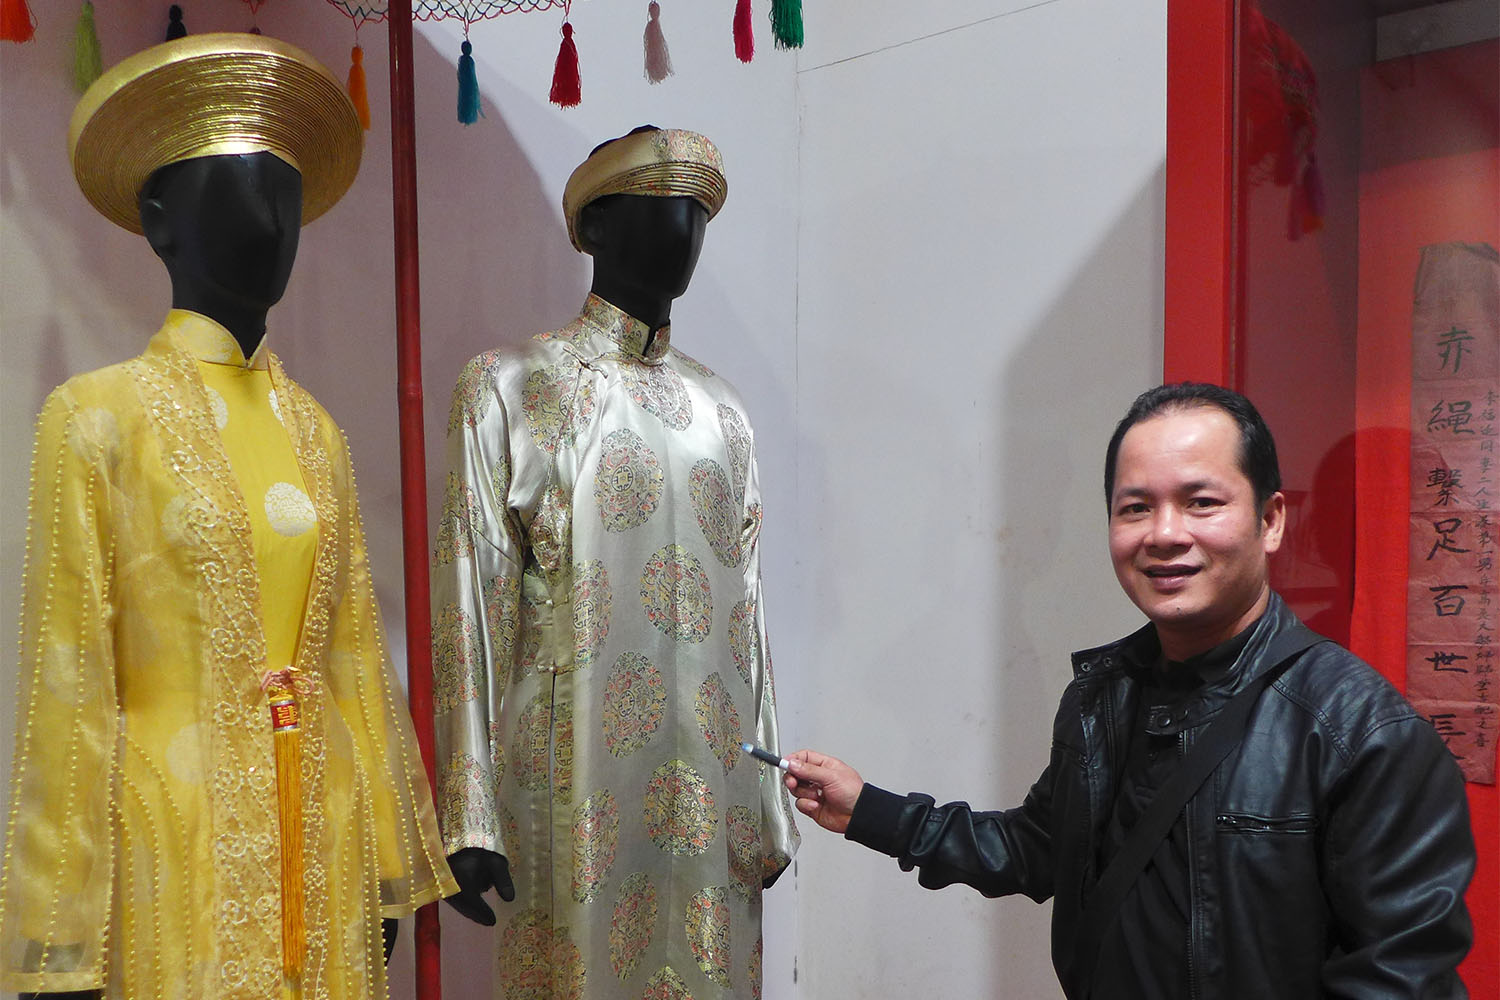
(193, 524)
(599, 656)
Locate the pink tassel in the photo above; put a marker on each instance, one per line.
(744, 32)
(658, 59)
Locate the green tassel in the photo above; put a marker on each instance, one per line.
(87, 63)
(468, 86)
(786, 23)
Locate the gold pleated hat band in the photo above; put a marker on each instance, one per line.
(664, 163)
(209, 95)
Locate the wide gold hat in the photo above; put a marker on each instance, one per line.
(209, 95)
(661, 162)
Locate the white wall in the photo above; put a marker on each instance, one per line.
(980, 256)
(936, 282)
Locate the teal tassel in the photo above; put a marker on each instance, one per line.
(786, 23)
(469, 111)
(87, 63)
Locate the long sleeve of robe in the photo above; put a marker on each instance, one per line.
(599, 656)
(142, 848)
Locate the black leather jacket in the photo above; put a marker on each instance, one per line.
(1329, 854)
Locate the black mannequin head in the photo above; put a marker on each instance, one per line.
(226, 227)
(645, 248)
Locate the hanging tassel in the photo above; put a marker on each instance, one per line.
(175, 27)
(658, 59)
(786, 23)
(16, 22)
(468, 86)
(286, 736)
(87, 63)
(567, 89)
(358, 92)
(744, 32)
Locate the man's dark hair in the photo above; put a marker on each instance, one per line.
(1257, 447)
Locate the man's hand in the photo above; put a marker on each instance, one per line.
(825, 788)
(476, 870)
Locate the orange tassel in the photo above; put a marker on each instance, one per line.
(567, 89)
(286, 731)
(658, 59)
(358, 92)
(744, 32)
(16, 22)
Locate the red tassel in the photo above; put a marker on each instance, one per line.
(16, 22)
(744, 32)
(358, 92)
(567, 89)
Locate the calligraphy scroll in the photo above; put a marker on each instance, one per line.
(1453, 601)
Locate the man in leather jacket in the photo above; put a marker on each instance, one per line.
(1327, 855)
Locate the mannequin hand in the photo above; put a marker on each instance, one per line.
(388, 928)
(476, 870)
(825, 788)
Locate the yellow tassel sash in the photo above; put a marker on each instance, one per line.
(287, 733)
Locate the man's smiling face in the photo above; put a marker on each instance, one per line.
(1190, 546)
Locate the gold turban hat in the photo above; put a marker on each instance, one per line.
(211, 95)
(660, 162)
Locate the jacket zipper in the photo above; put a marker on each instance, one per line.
(1193, 915)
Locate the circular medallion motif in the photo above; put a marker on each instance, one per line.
(462, 519)
(676, 595)
(456, 659)
(744, 852)
(718, 513)
(757, 954)
(562, 752)
(218, 407)
(744, 639)
(556, 401)
(510, 838)
(633, 923)
(463, 799)
(690, 364)
(679, 809)
(660, 392)
(737, 440)
(552, 531)
(531, 637)
(538, 962)
(666, 984)
(497, 753)
(289, 511)
(501, 616)
(500, 479)
(590, 612)
(275, 406)
(628, 481)
(718, 721)
(471, 390)
(596, 837)
(529, 747)
(635, 699)
(707, 927)
(91, 431)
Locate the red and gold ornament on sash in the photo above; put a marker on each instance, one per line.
(280, 687)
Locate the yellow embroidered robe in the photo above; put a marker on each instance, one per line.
(142, 850)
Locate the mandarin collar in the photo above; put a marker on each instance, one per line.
(206, 340)
(629, 333)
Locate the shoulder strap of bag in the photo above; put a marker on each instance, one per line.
(1222, 736)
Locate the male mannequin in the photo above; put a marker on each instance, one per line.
(195, 547)
(588, 675)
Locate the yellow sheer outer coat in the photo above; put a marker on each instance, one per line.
(141, 848)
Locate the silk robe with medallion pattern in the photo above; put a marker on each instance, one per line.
(142, 852)
(599, 654)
